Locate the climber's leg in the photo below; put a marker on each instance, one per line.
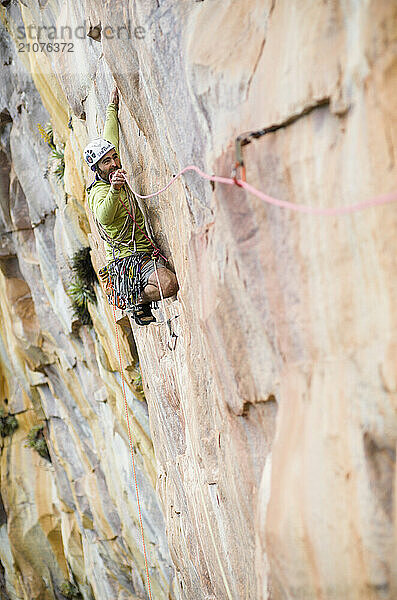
(168, 283)
(150, 279)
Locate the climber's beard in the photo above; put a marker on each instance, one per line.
(105, 174)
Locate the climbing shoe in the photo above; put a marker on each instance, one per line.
(142, 314)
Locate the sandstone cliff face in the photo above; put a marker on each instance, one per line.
(265, 448)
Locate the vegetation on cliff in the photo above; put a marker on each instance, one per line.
(8, 423)
(81, 290)
(37, 441)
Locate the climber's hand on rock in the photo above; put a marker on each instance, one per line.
(114, 96)
(117, 179)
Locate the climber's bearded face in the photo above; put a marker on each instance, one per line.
(108, 164)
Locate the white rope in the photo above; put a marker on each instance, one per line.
(218, 557)
(167, 321)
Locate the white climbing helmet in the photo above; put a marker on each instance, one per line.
(95, 150)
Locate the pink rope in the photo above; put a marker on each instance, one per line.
(226, 180)
(303, 208)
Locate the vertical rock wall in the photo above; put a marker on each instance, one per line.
(266, 450)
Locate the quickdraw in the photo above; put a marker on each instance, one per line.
(122, 281)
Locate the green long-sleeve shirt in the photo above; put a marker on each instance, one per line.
(106, 206)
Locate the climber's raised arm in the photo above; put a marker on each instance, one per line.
(111, 129)
(98, 153)
(103, 157)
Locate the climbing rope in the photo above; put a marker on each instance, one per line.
(172, 337)
(170, 391)
(132, 452)
(170, 334)
(376, 201)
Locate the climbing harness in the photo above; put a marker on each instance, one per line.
(122, 280)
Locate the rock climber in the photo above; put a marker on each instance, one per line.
(134, 270)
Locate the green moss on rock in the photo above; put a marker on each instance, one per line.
(8, 424)
(37, 441)
(69, 590)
